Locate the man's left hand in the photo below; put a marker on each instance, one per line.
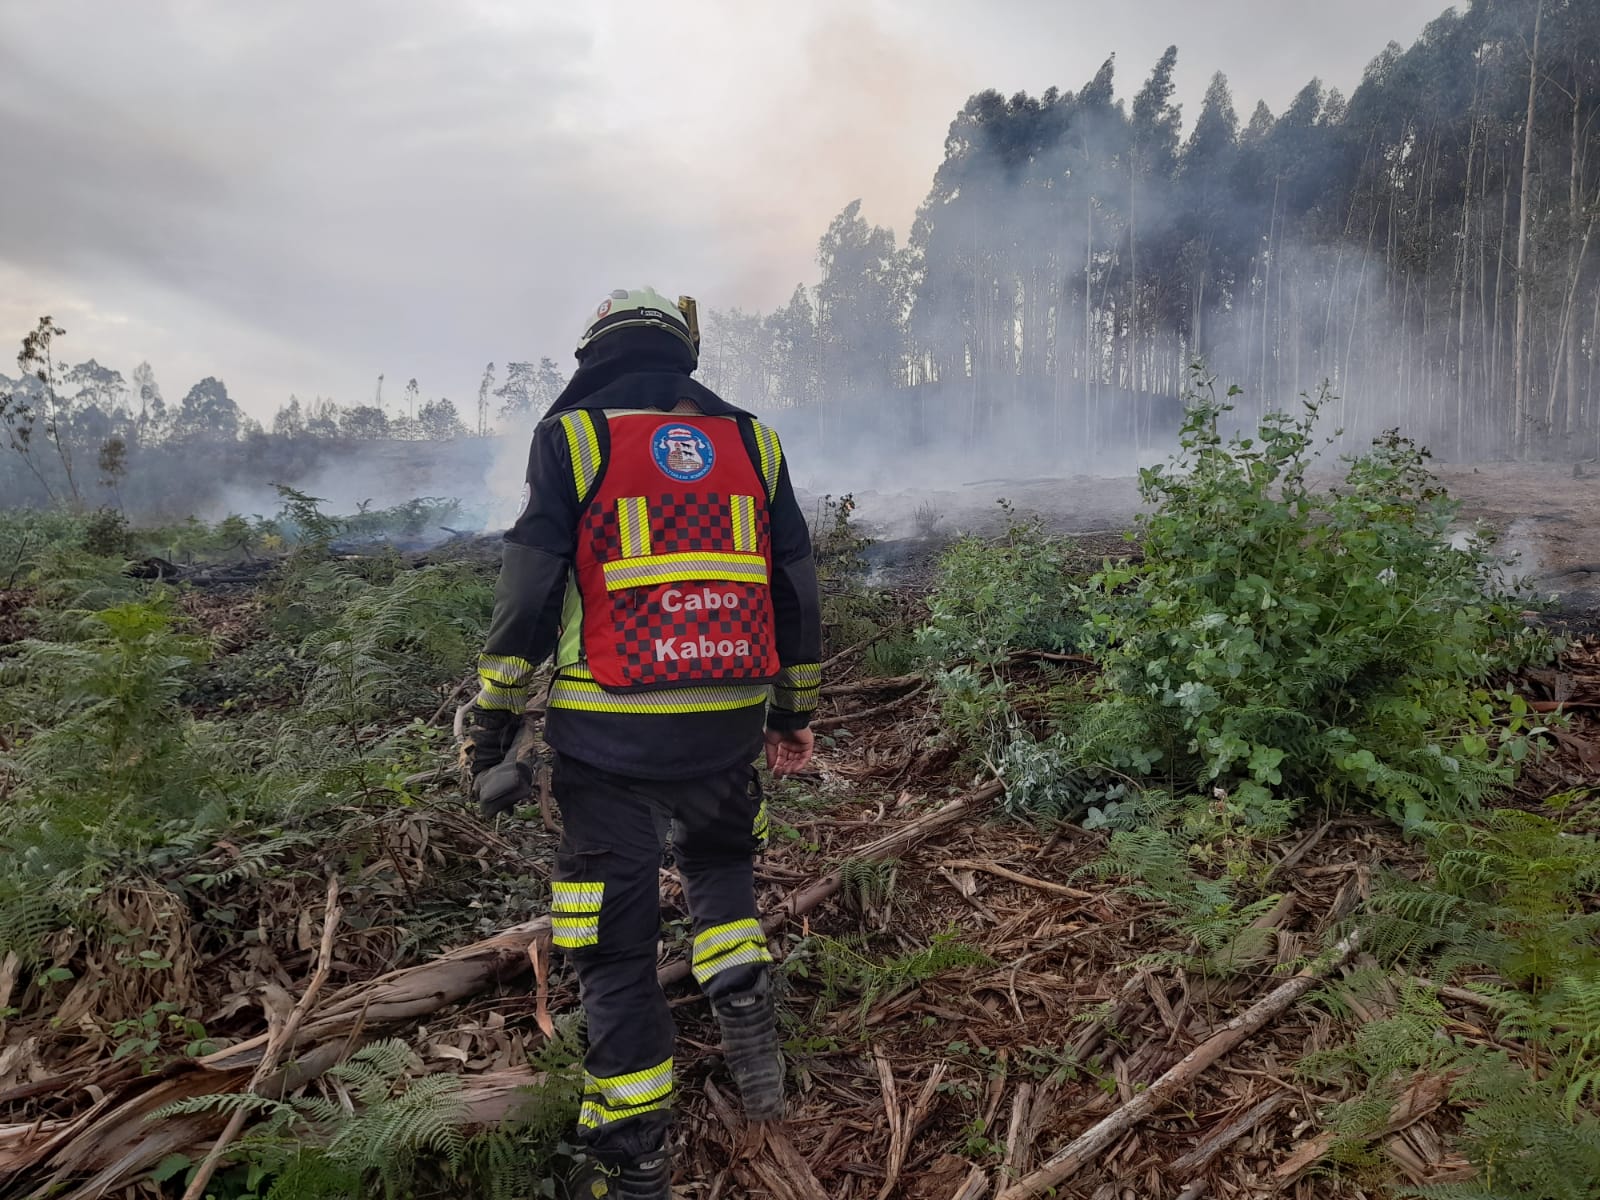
(788, 753)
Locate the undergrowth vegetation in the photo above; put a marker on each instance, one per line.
(167, 792)
(1286, 637)
(1290, 635)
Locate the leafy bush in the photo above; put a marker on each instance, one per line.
(1287, 643)
(990, 598)
(852, 611)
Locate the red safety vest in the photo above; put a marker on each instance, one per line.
(674, 557)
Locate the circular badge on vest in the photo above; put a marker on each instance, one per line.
(527, 496)
(682, 452)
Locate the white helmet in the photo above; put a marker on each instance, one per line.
(623, 309)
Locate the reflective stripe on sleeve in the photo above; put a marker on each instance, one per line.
(797, 687)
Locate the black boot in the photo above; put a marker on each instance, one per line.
(750, 1045)
(648, 1177)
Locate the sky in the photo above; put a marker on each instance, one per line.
(300, 195)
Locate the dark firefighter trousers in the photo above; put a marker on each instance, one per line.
(606, 915)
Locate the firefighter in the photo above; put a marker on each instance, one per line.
(661, 557)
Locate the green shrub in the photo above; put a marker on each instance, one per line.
(1289, 643)
(990, 598)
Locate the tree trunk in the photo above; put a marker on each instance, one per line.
(1519, 367)
(1461, 296)
(1575, 207)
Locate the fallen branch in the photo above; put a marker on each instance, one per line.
(892, 683)
(897, 1130)
(1043, 885)
(406, 994)
(269, 1058)
(1216, 1143)
(1048, 656)
(863, 714)
(1425, 1094)
(1099, 1136)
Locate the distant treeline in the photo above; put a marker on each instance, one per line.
(1423, 245)
(85, 436)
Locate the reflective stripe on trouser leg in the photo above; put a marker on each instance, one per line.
(612, 834)
(762, 827)
(575, 913)
(728, 945)
(618, 1097)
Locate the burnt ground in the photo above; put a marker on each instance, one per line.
(1547, 516)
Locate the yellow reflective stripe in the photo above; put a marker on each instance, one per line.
(801, 675)
(633, 525)
(503, 682)
(574, 933)
(497, 701)
(770, 451)
(584, 695)
(728, 945)
(744, 524)
(797, 687)
(717, 937)
(684, 567)
(795, 701)
(575, 913)
(569, 647)
(577, 897)
(618, 1097)
(762, 827)
(504, 668)
(747, 952)
(650, 1084)
(583, 446)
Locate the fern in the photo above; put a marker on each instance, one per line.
(842, 967)
(1509, 896)
(867, 883)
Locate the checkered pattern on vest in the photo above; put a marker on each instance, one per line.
(685, 521)
(682, 523)
(632, 639)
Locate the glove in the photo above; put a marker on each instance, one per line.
(489, 738)
(500, 789)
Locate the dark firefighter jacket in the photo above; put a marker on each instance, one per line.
(630, 371)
